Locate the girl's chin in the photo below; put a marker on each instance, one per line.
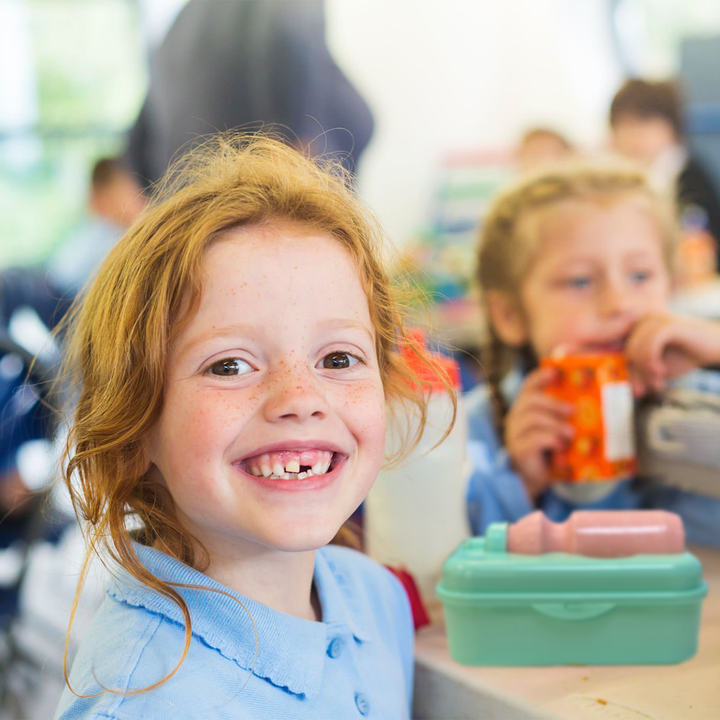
(301, 538)
(300, 543)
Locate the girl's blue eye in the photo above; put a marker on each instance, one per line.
(640, 277)
(580, 282)
(229, 367)
(338, 361)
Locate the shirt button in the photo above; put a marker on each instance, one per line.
(335, 648)
(363, 704)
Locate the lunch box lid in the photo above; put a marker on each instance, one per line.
(475, 574)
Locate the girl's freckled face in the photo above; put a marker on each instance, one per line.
(251, 370)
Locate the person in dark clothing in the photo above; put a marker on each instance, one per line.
(114, 201)
(248, 63)
(646, 119)
(695, 187)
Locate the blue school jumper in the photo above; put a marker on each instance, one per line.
(496, 493)
(357, 663)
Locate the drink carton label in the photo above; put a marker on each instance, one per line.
(603, 447)
(618, 426)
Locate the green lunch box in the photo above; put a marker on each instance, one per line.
(503, 608)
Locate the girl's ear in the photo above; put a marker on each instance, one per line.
(150, 449)
(507, 318)
(149, 445)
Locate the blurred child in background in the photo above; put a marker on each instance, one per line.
(648, 126)
(115, 200)
(577, 258)
(541, 146)
(35, 593)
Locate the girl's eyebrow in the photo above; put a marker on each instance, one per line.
(635, 254)
(572, 262)
(347, 324)
(243, 329)
(232, 330)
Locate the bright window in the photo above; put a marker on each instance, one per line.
(72, 80)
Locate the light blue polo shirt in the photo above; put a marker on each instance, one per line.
(357, 663)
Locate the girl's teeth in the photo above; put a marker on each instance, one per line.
(289, 469)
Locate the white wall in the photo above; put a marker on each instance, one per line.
(451, 74)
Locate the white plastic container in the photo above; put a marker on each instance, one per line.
(415, 516)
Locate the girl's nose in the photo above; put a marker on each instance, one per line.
(294, 394)
(615, 300)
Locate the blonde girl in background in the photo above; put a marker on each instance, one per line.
(233, 362)
(577, 258)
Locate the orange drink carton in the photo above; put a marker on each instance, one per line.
(603, 447)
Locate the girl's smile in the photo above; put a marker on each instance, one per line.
(273, 426)
(301, 481)
(309, 465)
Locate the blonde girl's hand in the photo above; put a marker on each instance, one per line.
(536, 425)
(661, 347)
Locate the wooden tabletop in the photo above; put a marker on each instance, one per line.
(690, 690)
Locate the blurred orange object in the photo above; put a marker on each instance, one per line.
(603, 447)
(696, 257)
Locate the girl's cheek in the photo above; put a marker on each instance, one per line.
(205, 413)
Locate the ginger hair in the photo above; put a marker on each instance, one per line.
(511, 237)
(146, 291)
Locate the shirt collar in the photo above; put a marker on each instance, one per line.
(510, 385)
(290, 651)
(338, 599)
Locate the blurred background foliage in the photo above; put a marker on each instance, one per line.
(78, 78)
